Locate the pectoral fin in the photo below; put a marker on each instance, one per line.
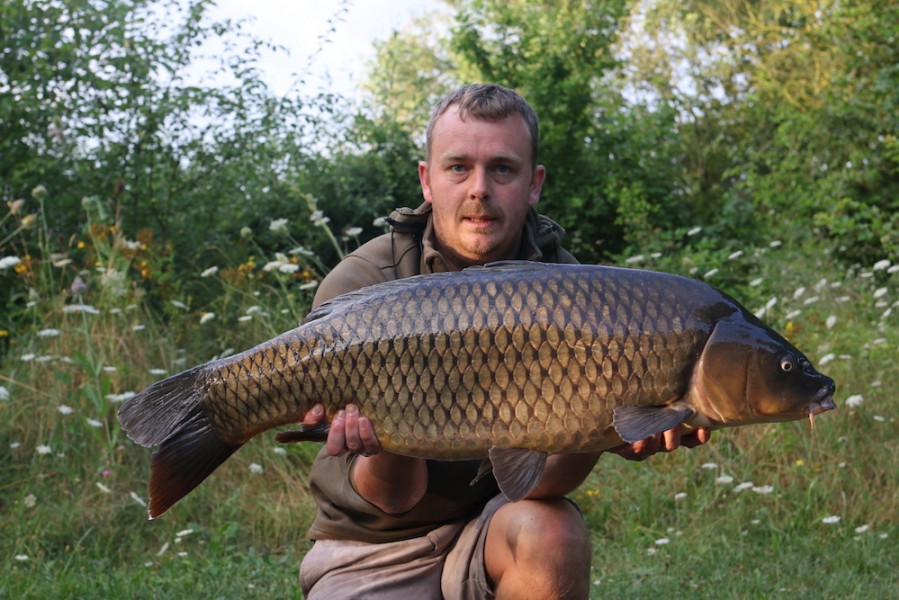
(517, 470)
(635, 423)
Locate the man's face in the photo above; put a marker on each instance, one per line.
(480, 183)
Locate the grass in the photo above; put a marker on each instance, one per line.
(765, 511)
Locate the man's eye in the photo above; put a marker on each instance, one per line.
(503, 169)
(457, 169)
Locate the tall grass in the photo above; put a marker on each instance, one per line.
(763, 511)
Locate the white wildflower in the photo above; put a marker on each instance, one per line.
(110, 369)
(776, 244)
(862, 528)
(811, 300)
(278, 226)
(652, 550)
(244, 318)
(44, 450)
(763, 489)
(694, 231)
(880, 265)
(279, 451)
(184, 532)
(302, 251)
(207, 316)
(114, 282)
(30, 500)
(289, 268)
(680, 496)
(94, 423)
(103, 488)
(831, 520)
(182, 554)
(15, 445)
(80, 308)
(831, 321)
(162, 550)
(64, 262)
(353, 231)
(44, 333)
(21, 557)
(735, 255)
(179, 304)
(826, 359)
(880, 293)
(209, 272)
(630, 260)
(756, 282)
(117, 398)
(724, 479)
(793, 314)
(710, 273)
(4, 393)
(138, 327)
(319, 219)
(311, 285)
(879, 418)
(137, 498)
(65, 410)
(709, 465)
(272, 265)
(854, 400)
(893, 269)
(744, 486)
(770, 304)
(9, 261)
(380, 222)
(662, 541)
(157, 372)
(27, 357)
(798, 293)
(256, 468)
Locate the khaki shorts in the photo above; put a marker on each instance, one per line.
(447, 563)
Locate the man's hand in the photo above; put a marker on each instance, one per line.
(391, 482)
(663, 442)
(349, 432)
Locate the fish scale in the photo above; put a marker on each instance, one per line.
(512, 361)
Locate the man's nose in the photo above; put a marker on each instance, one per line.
(479, 184)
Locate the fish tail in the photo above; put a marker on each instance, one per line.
(184, 460)
(170, 414)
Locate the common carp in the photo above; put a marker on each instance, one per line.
(508, 362)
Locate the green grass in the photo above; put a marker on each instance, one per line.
(73, 524)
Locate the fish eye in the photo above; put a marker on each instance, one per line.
(787, 364)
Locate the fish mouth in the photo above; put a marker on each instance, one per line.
(823, 401)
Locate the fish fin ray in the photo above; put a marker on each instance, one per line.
(184, 460)
(517, 470)
(158, 411)
(484, 469)
(635, 423)
(304, 433)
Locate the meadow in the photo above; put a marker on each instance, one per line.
(764, 511)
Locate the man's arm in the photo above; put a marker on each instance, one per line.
(393, 483)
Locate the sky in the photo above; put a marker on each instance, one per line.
(300, 24)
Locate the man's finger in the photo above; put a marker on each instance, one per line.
(336, 444)
(314, 415)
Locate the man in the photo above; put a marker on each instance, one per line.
(392, 526)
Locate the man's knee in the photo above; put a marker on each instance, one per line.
(539, 543)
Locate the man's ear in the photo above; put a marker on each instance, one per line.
(536, 184)
(425, 179)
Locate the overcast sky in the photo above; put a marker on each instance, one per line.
(300, 25)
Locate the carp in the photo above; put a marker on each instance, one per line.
(509, 363)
